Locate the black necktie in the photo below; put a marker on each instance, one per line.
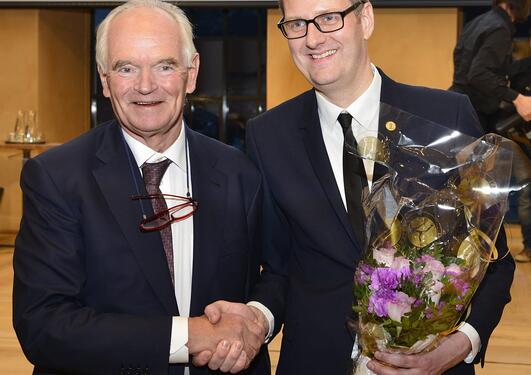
(152, 173)
(354, 177)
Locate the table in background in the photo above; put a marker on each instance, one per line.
(27, 148)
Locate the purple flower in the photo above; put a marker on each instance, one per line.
(417, 278)
(379, 301)
(441, 306)
(400, 305)
(363, 273)
(461, 286)
(425, 258)
(401, 264)
(384, 278)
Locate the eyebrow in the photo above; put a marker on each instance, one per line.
(169, 61)
(120, 63)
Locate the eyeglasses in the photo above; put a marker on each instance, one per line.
(325, 23)
(185, 207)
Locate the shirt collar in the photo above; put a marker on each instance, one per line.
(363, 109)
(143, 154)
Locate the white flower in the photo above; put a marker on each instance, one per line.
(384, 255)
(454, 270)
(401, 264)
(435, 267)
(435, 292)
(399, 306)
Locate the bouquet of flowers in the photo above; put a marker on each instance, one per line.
(433, 214)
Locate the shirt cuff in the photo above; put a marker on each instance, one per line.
(179, 338)
(269, 316)
(474, 338)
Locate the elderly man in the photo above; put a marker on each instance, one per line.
(130, 230)
(313, 236)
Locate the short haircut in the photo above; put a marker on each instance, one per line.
(357, 11)
(519, 8)
(176, 13)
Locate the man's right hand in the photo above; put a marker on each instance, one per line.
(523, 106)
(238, 338)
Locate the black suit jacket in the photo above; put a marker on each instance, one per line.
(310, 249)
(92, 294)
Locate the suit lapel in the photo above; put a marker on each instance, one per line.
(115, 178)
(209, 189)
(316, 150)
(389, 109)
(389, 104)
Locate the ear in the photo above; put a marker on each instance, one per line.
(104, 83)
(193, 70)
(367, 20)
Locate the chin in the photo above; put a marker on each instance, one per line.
(322, 82)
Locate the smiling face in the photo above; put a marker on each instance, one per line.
(148, 77)
(337, 63)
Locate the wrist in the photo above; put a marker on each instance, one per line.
(461, 341)
(261, 320)
(199, 330)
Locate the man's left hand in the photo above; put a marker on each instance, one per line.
(451, 350)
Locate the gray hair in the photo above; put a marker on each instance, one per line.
(176, 13)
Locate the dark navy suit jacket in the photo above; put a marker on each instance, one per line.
(310, 249)
(92, 294)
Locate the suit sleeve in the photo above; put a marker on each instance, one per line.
(494, 291)
(57, 331)
(275, 242)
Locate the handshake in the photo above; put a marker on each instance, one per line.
(227, 337)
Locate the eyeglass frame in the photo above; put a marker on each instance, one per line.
(188, 201)
(343, 14)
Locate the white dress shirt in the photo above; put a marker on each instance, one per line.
(365, 112)
(174, 182)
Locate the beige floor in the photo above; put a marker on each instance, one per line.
(509, 349)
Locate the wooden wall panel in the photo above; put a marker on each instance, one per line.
(64, 73)
(415, 46)
(45, 66)
(18, 90)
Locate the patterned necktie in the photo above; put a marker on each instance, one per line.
(354, 179)
(153, 173)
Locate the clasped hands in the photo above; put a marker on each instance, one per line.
(227, 337)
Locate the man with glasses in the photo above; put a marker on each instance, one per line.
(130, 230)
(313, 236)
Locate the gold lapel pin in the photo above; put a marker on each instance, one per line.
(390, 125)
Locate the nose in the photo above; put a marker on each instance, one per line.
(145, 82)
(314, 37)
